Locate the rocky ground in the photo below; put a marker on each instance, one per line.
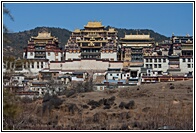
(167, 105)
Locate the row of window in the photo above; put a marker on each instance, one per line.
(155, 66)
(43, 53)
(56, 54)
(32, 65)
(156, 60)
(118, 75)
(184, 60)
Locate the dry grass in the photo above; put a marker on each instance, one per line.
(155, 106)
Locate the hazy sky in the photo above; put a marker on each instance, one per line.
(164, 18)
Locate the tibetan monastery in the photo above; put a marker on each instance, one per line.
(134, 47)
(44, 46)
(92, 42)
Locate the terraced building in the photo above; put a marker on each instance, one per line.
(92, 42)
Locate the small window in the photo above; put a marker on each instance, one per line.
(110, 74)
(155, 60)
(159, 65)
(31, 53)
(164, 60)
(150, 60)
(155, 65)
(183, 60)
(159, 60)
(146, 60)
(189, 65)
(48, 53)
(117, 74)
(146, 65)
(189, 60)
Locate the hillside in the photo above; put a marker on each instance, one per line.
(19, 40)
(145, 107)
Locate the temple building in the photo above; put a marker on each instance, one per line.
(185, 43)
(134, 47)
(44, 46)
(40, 51)
(92, 42)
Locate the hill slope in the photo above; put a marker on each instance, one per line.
(145, 107)
(19, 40)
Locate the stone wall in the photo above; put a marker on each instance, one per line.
(85, 65)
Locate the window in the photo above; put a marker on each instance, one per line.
(189, 60)
(183, 60)
(117, 74)
(146, 60)
(48, 53)
(159, 65)
(189, 65)
(32, 65)
(110, 74)
(150, 60)
(155, 65)
(146, 65)
(31, 53)
(164, 60)
(192, 65)
(155, 60)
(150, 65)
(159, 60)
(37, 64)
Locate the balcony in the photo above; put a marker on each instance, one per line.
(40, 54)
(40, 49)
(91, 53)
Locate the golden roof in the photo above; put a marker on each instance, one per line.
(137, 37)
(94, 25)
(77, 30)
(111, 30)
(43, 35)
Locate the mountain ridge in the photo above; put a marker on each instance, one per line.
(19, 40)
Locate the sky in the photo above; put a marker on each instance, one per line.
(164, 18)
